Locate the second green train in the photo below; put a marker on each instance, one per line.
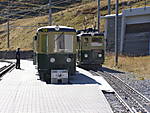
(90, 49)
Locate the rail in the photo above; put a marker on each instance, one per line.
(126, 107)
(5, 69)
(131, 98)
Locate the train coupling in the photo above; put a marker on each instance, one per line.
(59, 76)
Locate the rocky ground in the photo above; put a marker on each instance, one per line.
(143, 86)
(116, 106)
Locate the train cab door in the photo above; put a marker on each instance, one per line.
(79, 48)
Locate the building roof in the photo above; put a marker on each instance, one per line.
(112, 15)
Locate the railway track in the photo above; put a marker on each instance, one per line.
(131, 99)
(6, 68)
(117, 104)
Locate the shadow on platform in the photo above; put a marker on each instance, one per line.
(82, 79)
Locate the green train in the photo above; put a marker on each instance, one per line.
(34, 50)
(55, 53)
(90, 49)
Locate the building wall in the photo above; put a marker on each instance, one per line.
(134, 32)
(136, 44)
(110, 33)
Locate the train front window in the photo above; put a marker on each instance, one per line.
(96, 42)
(63, 43)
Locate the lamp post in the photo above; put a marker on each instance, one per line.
(116, 34)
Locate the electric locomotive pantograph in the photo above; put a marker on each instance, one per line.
(90, 49)
(55, 53)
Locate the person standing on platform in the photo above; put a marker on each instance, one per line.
(18, 58)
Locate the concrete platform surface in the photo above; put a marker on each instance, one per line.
(22, 92)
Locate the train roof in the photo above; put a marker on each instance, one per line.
(88, 30)
(56, 29)
(91, 34)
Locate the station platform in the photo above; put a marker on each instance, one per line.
(21, 91)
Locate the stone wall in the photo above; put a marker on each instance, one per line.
(11, 54)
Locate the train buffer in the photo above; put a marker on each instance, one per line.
(21, 91)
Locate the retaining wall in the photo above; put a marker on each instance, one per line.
(12, 54)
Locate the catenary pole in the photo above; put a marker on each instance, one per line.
(8, 29)
(116, 34)
(8, 34)
(98, 15)
(109, 6)
(50, 13)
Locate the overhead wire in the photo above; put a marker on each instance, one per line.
(53, 3)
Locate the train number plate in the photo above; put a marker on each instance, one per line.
(59, 74)
(96, 44)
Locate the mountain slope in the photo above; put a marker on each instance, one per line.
(74, 17)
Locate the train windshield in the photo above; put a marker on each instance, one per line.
(96, 41)
(63, 43)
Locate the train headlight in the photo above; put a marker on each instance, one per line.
(57, 28)
(99, 55)
(85, 55)
(52, 60)
(68, 60)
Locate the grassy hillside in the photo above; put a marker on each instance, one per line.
(26, 8)
(74, 17)
(136, 65)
